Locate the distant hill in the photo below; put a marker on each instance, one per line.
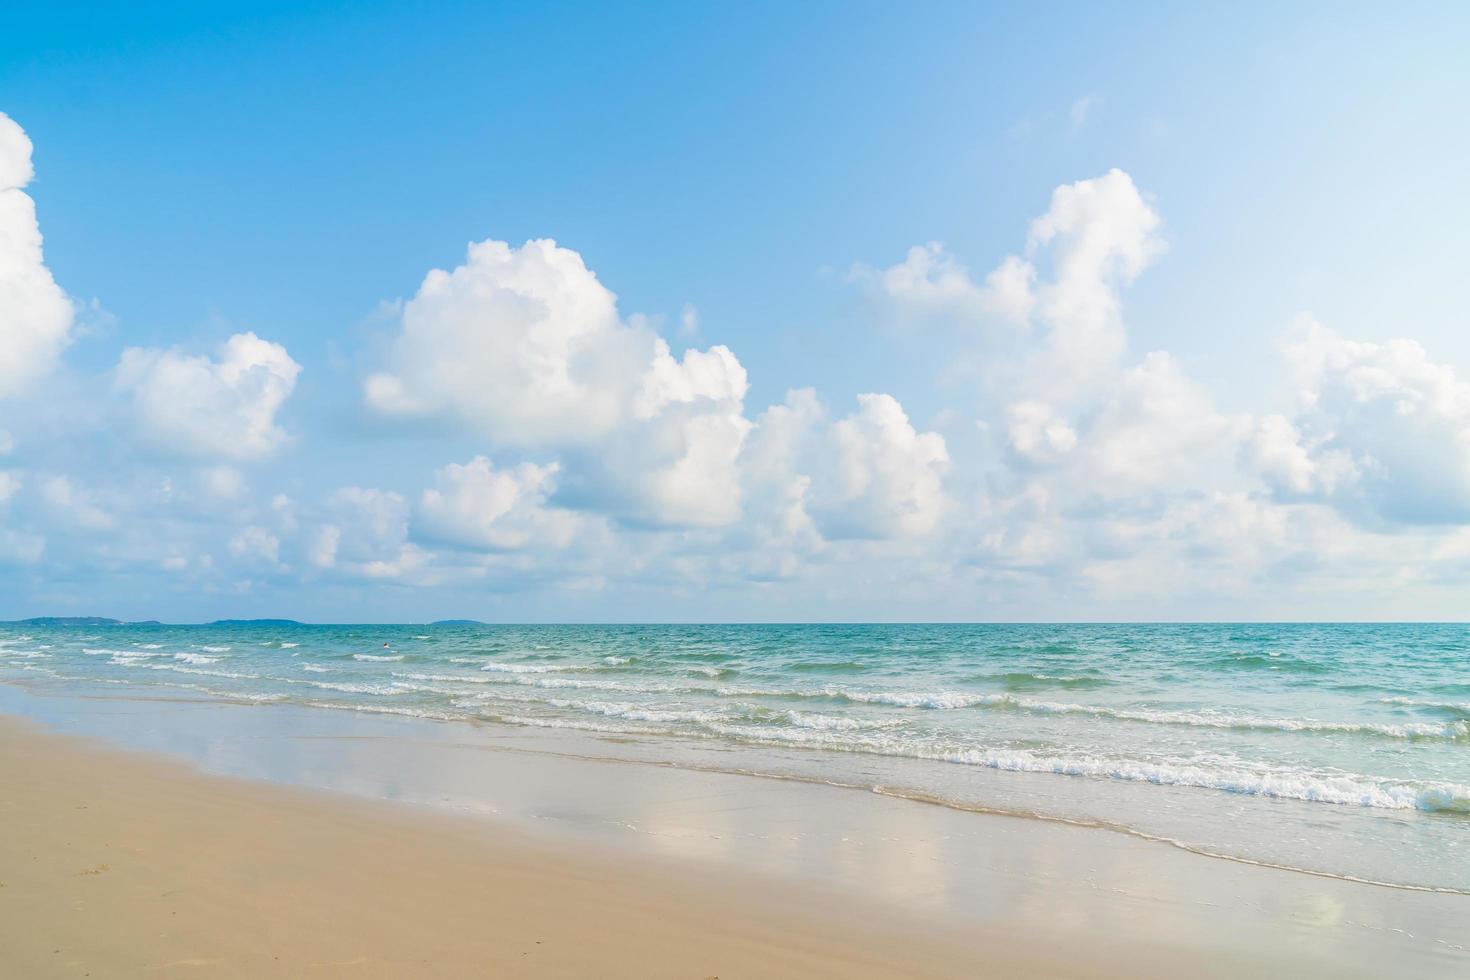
(256, 622)
(456, 622)
(67, 621)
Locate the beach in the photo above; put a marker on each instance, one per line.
(120, 865)
(382, 847)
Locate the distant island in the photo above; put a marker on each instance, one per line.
(108, 621)
(78, 621)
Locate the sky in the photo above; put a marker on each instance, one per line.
(758, 312)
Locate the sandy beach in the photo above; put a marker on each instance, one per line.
(125, 863)
(121, 865)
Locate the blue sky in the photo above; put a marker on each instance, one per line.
(750, 179)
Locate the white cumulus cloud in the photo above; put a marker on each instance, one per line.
(868, 475)
(196, 406)
(35, 315)
(525, 346)
(475, 505)
(1381, 430)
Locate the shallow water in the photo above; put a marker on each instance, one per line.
(1339, 749)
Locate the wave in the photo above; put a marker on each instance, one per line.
(133, 658)
(1343, 790)
(954, 700)
(316, 669)
(828, 667)
(215, 649)
(581, 726)
(347, 687)
(836, 734)
(446, 677)
(531, 668)
(631, 712)
(37, 668)
(385, 709)
(289, 646)
(195, 658)
(1024, 680)
(1454, 707)
(232, 675)
(392, 658)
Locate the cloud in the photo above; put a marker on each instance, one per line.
(930, 282)
(1097, 236)
(73, 505)
(256, 544)
(1381, 430)
(1072, 472)
(869, 475)
(1079, 111)
(1158, 431)
(474, 505)
(365, 535)
(194, 406)
(888, 477)
(526, 347)
(35, 315)
(522, 343)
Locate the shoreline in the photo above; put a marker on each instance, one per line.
(977, 893)
(200, 875)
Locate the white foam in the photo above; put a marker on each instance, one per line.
(384, 709)
(232, 675)
(132, 658)
(447, 677)
(349, 688)
(839, 723)
(215, 649)
(955, 700)
(196, 658)
(289, 646)
(1463, 706)
(633, 712)
(529, 668)
(22, 665)
(369, 656)
(583, 726)
(316, 669)
(1340, 789)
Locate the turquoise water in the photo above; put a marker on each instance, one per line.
(1338, 749)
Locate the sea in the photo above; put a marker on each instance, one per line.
(1333, 749)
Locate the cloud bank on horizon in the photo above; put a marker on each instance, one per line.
(608, 463)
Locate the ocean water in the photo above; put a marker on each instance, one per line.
(1336, 749)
